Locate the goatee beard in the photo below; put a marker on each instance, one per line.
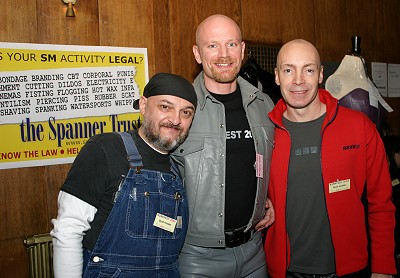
(225, 76)
(154, 138)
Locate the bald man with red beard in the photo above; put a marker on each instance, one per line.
(226, 161)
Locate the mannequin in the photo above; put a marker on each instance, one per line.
(350, 75)
(352, 87)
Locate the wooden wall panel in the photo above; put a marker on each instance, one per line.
(12, 27)
(23, 212)
(359, 20)
(330, 24)
(184, 20)
(162, 31)
(128, 24)
(13, 259)
(388, 44)
(55, 28)
(297, 20)
(262, 22)
(336, 21)
(387, 33)
(277, 22)
(21, 196)
(185, 17)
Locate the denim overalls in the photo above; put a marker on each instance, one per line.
(129, 245)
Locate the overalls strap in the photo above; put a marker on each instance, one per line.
(134, 158)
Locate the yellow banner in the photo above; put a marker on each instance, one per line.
(53, 98)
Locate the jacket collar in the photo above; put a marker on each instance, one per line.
(249, 92)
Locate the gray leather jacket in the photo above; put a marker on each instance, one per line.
(201, 159)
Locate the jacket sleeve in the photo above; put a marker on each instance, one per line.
(381, 211)
(74, 217)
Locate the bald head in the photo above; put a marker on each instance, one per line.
(292, 50)
(220, 50)
(217, 21)
(298, 73)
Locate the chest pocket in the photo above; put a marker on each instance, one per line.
(152, 195)
(189, 154)
(190, 146)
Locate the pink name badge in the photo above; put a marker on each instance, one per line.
(259, 166)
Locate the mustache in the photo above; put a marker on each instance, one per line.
(171, 125)
(223, 60)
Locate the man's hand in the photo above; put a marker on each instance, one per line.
(269, 217)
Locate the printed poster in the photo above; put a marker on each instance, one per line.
(53, 98)
(394, 80)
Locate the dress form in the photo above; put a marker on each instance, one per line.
(352, 87)
(350, 75)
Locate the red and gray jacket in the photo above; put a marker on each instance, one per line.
(351, 149)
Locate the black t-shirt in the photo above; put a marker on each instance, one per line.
(241, 181)
(311, 249)
(97, 171)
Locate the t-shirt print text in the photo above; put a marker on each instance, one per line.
(307, 150)
(239, 134)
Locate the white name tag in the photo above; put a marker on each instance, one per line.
(164, 222)
(339, 186)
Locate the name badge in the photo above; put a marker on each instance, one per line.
(164, 222)
(339, 186)
(259, 166)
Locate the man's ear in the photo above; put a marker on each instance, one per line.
(196, 54)
(243, 48)
(142, 104)
(277, 77)
(321, 75)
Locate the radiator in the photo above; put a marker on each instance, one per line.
(40, 251)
